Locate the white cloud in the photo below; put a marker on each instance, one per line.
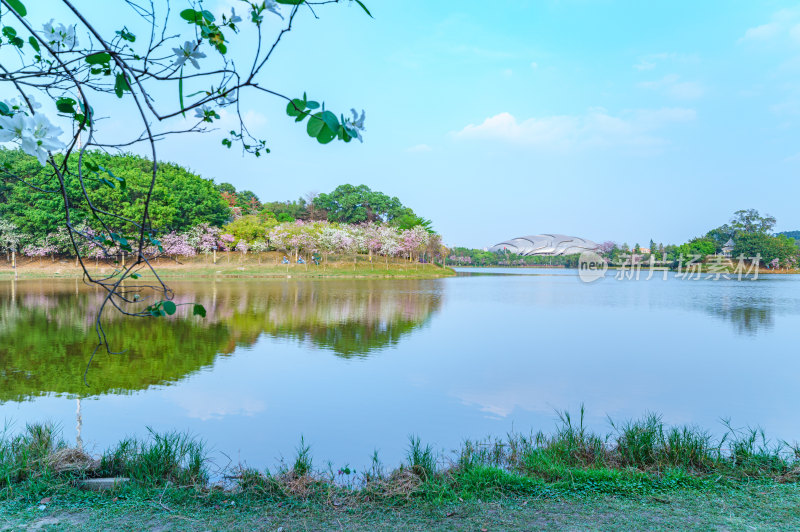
(674, 87)
(760, 33)
(651, 61)
(794, 33)
(595, 128)
(782, 23)
(419, 148)
(508, 72)
(534, 65)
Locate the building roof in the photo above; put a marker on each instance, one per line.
(546, 244)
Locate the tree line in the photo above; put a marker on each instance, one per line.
(750, 233)
(190, 214)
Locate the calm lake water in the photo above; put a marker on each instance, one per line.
(359, 365)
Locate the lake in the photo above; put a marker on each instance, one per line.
(358, 365)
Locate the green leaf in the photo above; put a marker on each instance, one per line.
(169, 307)
(34, 43)
(312, 105)
(66, 105)
(180, 93)
(4, 110)
(326, 135)
(295, 107)
(9, 32)
(291, 2)
(17, 6)
(101, 58)
(199, 310)
(121, 85)
(315, 125)
(126, 35)
(135, 276)
(330, 120)
(107, 183)
(93, 167)
(155, 243)
(364, 8)
(189, 14)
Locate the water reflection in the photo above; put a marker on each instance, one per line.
(747, 317)
(46, 329)
(750, 307)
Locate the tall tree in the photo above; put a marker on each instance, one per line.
(357, 204)
(750, 221)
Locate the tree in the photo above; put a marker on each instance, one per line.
(292, 210)
(411, 220)
(358, 204)
(179, 198)
(81, 71)
(720, 236)
(769, 248)
(697, 247)
(749, 221)
(248, 229)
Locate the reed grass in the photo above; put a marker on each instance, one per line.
(636, 456)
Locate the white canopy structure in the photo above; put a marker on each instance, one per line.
(546, 244)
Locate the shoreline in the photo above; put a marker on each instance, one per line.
(643, 270)
(645, 474)
(233, 266)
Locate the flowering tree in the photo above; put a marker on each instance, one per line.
(204, 238)
(259, 246)
(226, 241)
(390, 242)
(372, 238)
(10, 237)
(413, 241)
(607, 247)
(39, 251)
(68, 75)
(242, 247)
(177, 245)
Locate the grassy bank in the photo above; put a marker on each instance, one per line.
(234, 265)
(643, 474)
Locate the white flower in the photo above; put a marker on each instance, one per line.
(21, 105)
(271, 5)
(227, 99)
(12, 127)
(205, 113)
(190, 52)
(36, 134)
(60, 36)
(356, 124)
(234, 17)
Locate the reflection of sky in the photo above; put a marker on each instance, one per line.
(502, 353)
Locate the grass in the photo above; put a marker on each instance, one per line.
(234, 264)
(642, 467)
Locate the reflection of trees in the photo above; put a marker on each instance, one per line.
(748, 315)
(46, 332)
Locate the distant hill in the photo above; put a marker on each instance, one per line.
(791, 234)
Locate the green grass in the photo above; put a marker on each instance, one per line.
(642, 468)
(234, 265)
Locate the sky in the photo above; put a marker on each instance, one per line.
(608, 120)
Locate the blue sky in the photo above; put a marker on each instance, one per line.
(610, 120)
